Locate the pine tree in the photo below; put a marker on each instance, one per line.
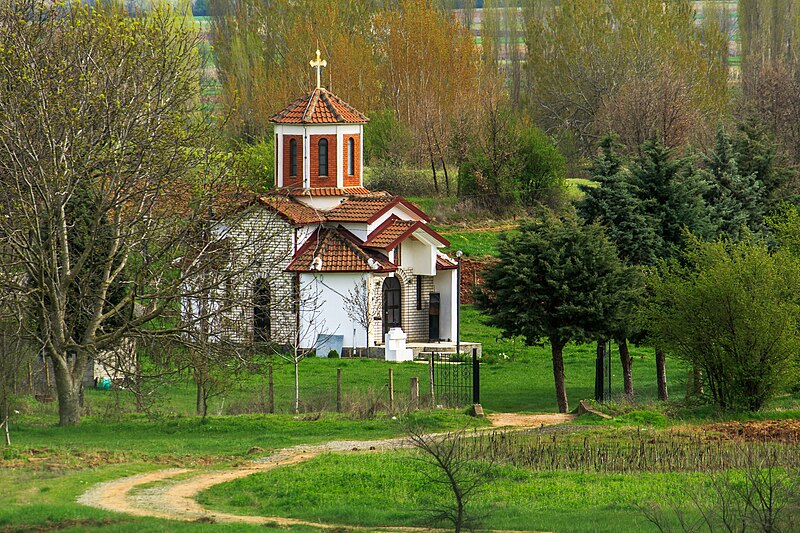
(671, 193)
(614, 206)
(558, 280)
(736, 201)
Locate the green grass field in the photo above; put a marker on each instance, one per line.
(47, 467)
(393, 489)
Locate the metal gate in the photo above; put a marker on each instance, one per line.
(453, 381)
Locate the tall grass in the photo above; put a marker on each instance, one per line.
(697, 452)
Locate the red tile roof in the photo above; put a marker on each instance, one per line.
(320, 106)
(329, 191)
(292, 210)
(394, 230)
(338, 251)
(388, 233)
(359, 208)
(445, 262)
(370, 208)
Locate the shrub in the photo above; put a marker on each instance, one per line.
(256, 163)
(400, 180)
(530, 172)
(333, 354)
(733, 312)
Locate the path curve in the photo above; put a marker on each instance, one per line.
(169, 494)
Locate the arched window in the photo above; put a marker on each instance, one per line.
(392, 307)
(262, 323)
(293, 157)
(323, 157)
(351, 158)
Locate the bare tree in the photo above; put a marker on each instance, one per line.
(762, 496)
(108, 174)
(308, 324)
(357, 307)
(455, 468)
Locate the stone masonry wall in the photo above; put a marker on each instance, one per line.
(267, 239)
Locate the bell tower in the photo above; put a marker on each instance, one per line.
(319, 143)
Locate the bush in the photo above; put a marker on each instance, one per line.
(333, 354)
(400, 180)
(531, 174)
(734, 313)
(256, 163)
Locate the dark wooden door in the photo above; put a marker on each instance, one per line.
(391, 304)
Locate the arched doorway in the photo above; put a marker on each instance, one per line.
(391, 304)
(261, 304)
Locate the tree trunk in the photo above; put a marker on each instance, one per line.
(557, 347)
(296, 388)
(199, 405)
(627, 368)
(446, 177)
(68, 390)
(599, 372)
(433, 168)
(661, 374)
(694, 382)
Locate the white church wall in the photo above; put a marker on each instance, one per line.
(320, 202)
(445, 283)
(359, 230)
(419, 257)
(399, 211)
(323, 307)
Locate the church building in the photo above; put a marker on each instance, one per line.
(364, 267)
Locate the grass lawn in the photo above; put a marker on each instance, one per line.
(392, 489)
(474, 242)
(48, 467)
(514, 377)
(574, 191)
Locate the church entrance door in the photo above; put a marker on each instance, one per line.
(391, 304)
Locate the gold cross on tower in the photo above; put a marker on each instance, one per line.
(318, 64)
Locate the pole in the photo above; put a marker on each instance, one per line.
(458, 304)
(414, 393)
(338, 390)
(476, 377)
(430, 371)
(600, 372)
(391, 389)
(608, 355)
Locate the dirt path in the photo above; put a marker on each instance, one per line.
(171, 493)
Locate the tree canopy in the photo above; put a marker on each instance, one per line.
(559, 281)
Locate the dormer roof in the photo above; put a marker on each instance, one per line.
(337, 250)
(368, 209)
(394, 231)
(319, 106)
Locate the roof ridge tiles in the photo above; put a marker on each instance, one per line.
(334, 110)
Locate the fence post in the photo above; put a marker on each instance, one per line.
(271, 407)
(391, 390)
(476, 377)
(338, 390)
(414, 394)
(433, 398)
